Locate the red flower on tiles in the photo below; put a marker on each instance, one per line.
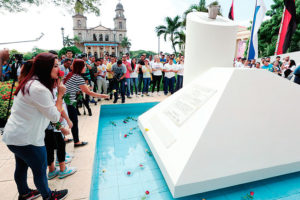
(128, 173)
(252, 193)
(125, 136)
(147, 192)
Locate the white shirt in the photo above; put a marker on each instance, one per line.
(103, 69)
(151, 62)
(158, 67)
(239, 65)
(134, 73)
(129, 60)
(180, 68)
(30, 116)
(19, 71)
(169, 67)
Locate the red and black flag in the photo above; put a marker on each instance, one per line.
(288, 26)
(231, 13)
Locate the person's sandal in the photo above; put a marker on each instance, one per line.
(81, 144)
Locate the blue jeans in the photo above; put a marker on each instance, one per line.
(119, 86)
(169, 85)
(140, 82)
(134, 81)
(36, 158)
(146, 82)
(179, 82)
(128, 86)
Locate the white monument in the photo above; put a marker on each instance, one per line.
(226, 127)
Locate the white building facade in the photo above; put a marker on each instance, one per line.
(101, 40)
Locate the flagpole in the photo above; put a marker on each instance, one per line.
(280, 30)
(251, 31)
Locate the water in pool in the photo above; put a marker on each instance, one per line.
(125, 169)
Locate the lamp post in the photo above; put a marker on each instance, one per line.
(116, 48)
(63, 35)
(114, 32)
(158, 45)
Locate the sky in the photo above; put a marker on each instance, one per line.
(142, 18)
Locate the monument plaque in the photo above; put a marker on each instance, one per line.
(187, 103)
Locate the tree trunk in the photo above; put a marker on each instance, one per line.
(173, 45)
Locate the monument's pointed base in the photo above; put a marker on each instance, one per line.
(230, 126)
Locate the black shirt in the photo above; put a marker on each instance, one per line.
(141, 62)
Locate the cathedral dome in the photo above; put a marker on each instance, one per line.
(119, 6)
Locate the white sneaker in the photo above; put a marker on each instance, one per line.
(151, 94)
(158, 94)
(52, 175)
(68, 171)
(67, 161)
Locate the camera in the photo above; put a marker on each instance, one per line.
(80, 56)
(19, 57)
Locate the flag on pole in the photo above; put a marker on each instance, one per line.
(288, 26)
(231, 13)
(259, 15)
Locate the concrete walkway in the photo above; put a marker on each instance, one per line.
(79, 183)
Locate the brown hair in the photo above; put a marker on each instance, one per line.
(41, 68)
(78, 65)
(25, 70)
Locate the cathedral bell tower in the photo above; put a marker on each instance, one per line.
(120, 20)
(79, 20)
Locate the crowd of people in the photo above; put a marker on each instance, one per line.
(128, 77)
(51, 89)
(47, 99)
(286, 68)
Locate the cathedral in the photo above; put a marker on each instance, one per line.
(100, 40)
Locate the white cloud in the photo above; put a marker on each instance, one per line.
(142, 18)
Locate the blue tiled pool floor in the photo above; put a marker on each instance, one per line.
(124, 168)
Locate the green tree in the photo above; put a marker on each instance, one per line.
(269, 30)
(13, 52)
(90, 6)
(137, 54)
(35, 51)
(125, 43)
(74, 49)
(77, 39)
(200, 7)
(171, 29)
(68, 42)
(180, 40)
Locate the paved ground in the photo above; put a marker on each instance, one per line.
(79, 183)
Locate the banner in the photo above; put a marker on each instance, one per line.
(288, 26)
(259, 15)
(231, 13)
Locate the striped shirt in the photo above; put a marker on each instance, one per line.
(72, 86)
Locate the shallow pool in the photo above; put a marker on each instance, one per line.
(124, 167)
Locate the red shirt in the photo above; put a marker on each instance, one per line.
(127, 64)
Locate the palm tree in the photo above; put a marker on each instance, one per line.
(180, 40)
(171, 29)
(68, 41)
(76, 39)
(126, 44)
(201, 7)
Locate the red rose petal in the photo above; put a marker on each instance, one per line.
(147, 192)
(252, 193)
